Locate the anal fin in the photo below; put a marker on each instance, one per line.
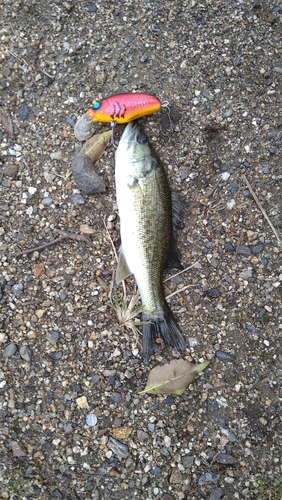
(122, 270)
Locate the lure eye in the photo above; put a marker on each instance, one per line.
(142, 139)
(96, 105)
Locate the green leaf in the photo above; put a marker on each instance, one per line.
(172, 378)
(96, 145)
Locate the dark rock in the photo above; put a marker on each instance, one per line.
(257, 248)
(243, 250)
(85, 176)
(230, 248)
(92, 8)
(223, 356)
(224, 458)
(212, 293)
(56, 355)
(156, 471)
(116, 397)
(70, 121)
(24, 112)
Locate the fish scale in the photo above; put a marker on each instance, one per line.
(144, 202)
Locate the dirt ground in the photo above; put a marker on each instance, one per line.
(73, 424)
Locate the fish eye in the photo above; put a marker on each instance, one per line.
(142, 139)
(96, 105)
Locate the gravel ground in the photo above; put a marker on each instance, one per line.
(73, 425)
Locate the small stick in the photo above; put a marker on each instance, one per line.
(179, 291)
(64, 235)
(262, 209)
(213, 190)
(2, 174)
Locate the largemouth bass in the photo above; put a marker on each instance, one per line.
(147, 246)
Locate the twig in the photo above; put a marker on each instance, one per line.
(262, 209)
(179, 291)
(64, 236)
(182, 271)
(74, 236)
(213, 190)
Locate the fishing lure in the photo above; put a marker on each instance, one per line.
(124, 108)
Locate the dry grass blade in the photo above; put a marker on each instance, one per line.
(262, 209)
(182, 271)
(125, 311)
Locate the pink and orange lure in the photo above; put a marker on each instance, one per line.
(123, 108)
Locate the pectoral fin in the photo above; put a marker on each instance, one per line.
(123, 270)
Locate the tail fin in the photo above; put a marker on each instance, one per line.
(161, 327)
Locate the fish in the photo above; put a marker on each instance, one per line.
(147, 242)
(123, 108)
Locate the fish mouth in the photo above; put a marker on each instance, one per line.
(130, 131)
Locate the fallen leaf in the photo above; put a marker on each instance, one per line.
(122, 432)
(96, 145)
(85, 229)
(172, 378)
(38, 269)
(48, 176)
(7, 124)
(17, 451)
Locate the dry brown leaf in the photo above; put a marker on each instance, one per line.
(38, 269)
(96, 145)
(172, 378)
(122, 432)
(17, 451)
(7, 124)
(49, 177)
(85, 229)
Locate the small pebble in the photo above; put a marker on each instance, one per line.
(224, 458)
(76, 199)
(53, 336)
(56, 355)
(47, 201)
(228, 113)
(24, 112)
(91, 420)
(257, 248)
(246, 274)
(212, 293)
(10, 350)
(243, 250)
(119, 449)
(207, 477)
(70, 121)
(216, 494)
(84, 128)
(25, 353)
